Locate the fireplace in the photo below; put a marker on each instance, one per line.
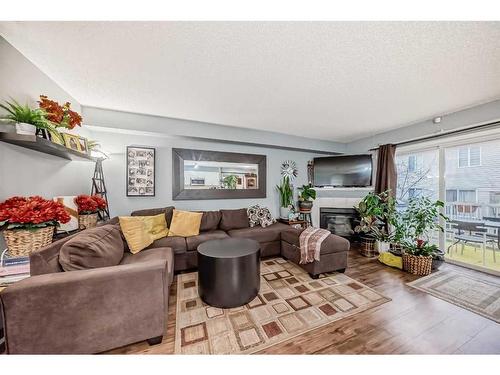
(340, 221)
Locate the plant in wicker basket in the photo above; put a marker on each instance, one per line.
(377, 212)
(88, 207)
(420, 218)
(417, 257)
(28, 223)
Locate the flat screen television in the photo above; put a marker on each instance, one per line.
(344, 170)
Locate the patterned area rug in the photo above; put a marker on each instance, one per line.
(479, 296)
(289, 303)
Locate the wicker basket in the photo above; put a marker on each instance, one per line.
(417, 265)
(368, 247)
(87, 221)
(22, 242)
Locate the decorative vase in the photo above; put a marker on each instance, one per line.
(417, 265)
(305, 206)
(26, 129)
(87, 221)
(284, 211)
(382, 246)
(22, 242)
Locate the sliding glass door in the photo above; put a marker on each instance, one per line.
(466, 176)
(472, 177)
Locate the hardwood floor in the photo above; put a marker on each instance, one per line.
(412, 323)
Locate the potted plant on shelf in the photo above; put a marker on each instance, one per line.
(88, 207)
(420, 218)
(377, 213)
(306, 197)
(286, 197)
(27, 120)
(28, 223)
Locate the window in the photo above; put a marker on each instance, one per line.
(461, 195)
(495, 197)
(417, 176)
(467, 196)
(415, 192)
(469, 156)
(414, 163)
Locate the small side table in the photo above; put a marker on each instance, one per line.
(294, 223)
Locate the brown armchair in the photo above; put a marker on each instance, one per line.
(88, 311)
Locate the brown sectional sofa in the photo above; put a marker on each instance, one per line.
(277, 239)
(94, 310)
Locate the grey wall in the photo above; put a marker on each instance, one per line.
(115, 172)
(26, 172)
(204, 131)
(477, 115)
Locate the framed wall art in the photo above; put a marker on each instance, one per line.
(140, 171)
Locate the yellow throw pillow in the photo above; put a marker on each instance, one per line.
(185, 223)
(158, 225)
(141, 231)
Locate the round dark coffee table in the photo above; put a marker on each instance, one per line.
(228, 271)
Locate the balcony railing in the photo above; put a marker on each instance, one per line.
(471, 211)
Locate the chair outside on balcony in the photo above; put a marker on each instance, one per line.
(475, 234)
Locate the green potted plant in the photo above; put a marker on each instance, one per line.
(377, 213)
(27, 120)
(420, 218)
(306, 197)
(286, 197)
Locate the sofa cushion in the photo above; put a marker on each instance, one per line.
(185, 224)
(152, 254)
(168, 211)
(210, 220)
(331, 244)
(234, 219)
(141, 231)
(193, 242)
(92, 248)
(178, 244)
(267, 234)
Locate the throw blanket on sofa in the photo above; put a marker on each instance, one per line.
(310, 244)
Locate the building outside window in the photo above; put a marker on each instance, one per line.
(469, 156)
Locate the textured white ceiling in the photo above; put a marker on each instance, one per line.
(330, 80)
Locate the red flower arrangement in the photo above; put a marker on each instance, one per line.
(61, 116)
(89, 204)
(31, 213)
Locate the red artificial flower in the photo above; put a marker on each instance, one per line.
(21, 211)
(61, 115)
(420, 243)
(89, 204)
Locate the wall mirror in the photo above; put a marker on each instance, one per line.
(199, 174)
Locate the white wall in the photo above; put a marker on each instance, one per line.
(115, 172)
(27, 172)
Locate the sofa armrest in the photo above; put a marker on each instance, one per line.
(85, 311)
